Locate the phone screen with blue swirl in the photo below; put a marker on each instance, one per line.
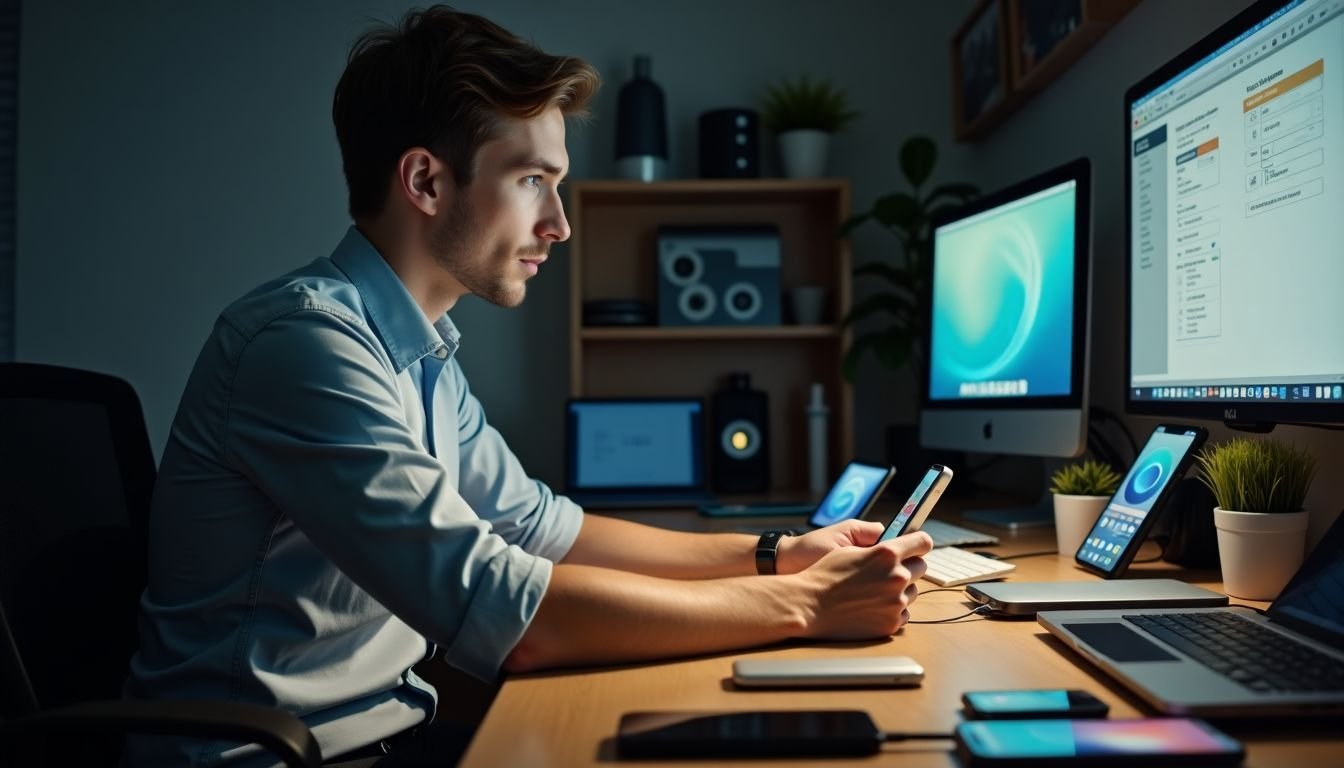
(1110, 546)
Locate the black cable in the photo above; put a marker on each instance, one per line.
(897, 736)
(1019, 556)
(982, 610)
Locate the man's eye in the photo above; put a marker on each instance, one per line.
(532, 181)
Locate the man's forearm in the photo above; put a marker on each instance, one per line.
(608, 542)
(600, 616)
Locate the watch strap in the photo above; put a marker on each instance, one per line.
(767, 549)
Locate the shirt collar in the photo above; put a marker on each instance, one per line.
(399, 321)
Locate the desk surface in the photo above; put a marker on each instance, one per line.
(568, 718)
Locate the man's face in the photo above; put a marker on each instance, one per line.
(499, 229)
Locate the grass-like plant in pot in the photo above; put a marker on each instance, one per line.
(1087, 478)
(1080, 491)
(1261, 487)
(803, 114)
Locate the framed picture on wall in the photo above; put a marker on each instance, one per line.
(981, 82)
(1048, 35)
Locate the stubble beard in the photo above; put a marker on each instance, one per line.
(456, 246)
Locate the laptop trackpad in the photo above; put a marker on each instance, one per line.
(1118, 642)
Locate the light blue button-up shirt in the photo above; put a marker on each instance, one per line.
(331, 504)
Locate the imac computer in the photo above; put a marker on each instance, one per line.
(1234, 176)
(1007, 326)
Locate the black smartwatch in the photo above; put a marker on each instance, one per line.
(766, 550)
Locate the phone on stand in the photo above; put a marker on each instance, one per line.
(827, 673)
(1032, 705)
(1147, 742)
(1124, 524)
(818, 733)
(916, 509)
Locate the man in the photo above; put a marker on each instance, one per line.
(332, 505)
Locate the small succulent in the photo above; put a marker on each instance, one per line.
(1088, 478)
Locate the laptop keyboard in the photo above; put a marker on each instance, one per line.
(1245, 651)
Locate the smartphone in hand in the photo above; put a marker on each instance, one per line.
(921, 502)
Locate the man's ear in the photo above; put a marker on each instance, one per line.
(423, 180)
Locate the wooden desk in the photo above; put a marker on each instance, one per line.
(568, 718)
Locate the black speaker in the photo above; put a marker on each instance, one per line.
(713, 275)
(740, 439)
(729, 144)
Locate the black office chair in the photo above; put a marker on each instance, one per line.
(76, 475)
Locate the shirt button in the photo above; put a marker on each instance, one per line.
(441, 353)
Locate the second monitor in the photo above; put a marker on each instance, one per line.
(1007, 323)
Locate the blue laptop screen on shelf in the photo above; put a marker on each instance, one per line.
(632, 444)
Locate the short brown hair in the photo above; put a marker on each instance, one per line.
(442, 80)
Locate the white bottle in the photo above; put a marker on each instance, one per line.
(817, 477)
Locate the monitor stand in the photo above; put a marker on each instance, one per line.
(1037, 515)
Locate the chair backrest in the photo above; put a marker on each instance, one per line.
(76, 476)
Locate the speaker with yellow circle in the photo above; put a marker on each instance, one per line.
(740, 437)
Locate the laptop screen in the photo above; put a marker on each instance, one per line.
(1313, 602)
(623, 445)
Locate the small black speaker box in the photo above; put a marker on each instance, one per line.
(740, 440)
(729, 144)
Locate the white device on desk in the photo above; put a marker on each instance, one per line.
(827, 673)
(952, 567)
(949, 535)
(1027, 598)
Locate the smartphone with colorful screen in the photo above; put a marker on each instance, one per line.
(1117, 535)
(916, 509)
(1147, 742)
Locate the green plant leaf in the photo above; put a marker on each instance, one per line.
(851, 223)
(850, 366)
(897, 304)
(804, 104)
(958, 191)
(893, 347)
(918, 155)
(898, 210)
(892, 274)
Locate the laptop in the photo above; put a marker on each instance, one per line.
(635, 452)
(1228, 662)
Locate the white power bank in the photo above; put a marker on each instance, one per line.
(827, 673)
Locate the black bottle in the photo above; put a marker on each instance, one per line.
(641, 127)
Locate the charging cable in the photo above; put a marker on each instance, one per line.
(915, 735)
(983, 610)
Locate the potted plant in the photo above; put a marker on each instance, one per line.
(1260, 486)
(803, 114)
(1080, 493)
(904, 278)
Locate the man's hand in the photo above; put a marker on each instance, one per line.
(861, 593)
(797, 553)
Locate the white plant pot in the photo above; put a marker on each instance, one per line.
(804, 153)
(1074, 517)
(1260, 551)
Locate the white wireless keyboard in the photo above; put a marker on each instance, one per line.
(950, 567)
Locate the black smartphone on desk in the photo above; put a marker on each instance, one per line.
(812, 733)
(1032, 705)
(1147, 742)
(1117, 535)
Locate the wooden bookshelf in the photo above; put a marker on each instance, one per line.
(613, 255)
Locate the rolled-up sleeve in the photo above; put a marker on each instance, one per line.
(522, 510)
(317, 422)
